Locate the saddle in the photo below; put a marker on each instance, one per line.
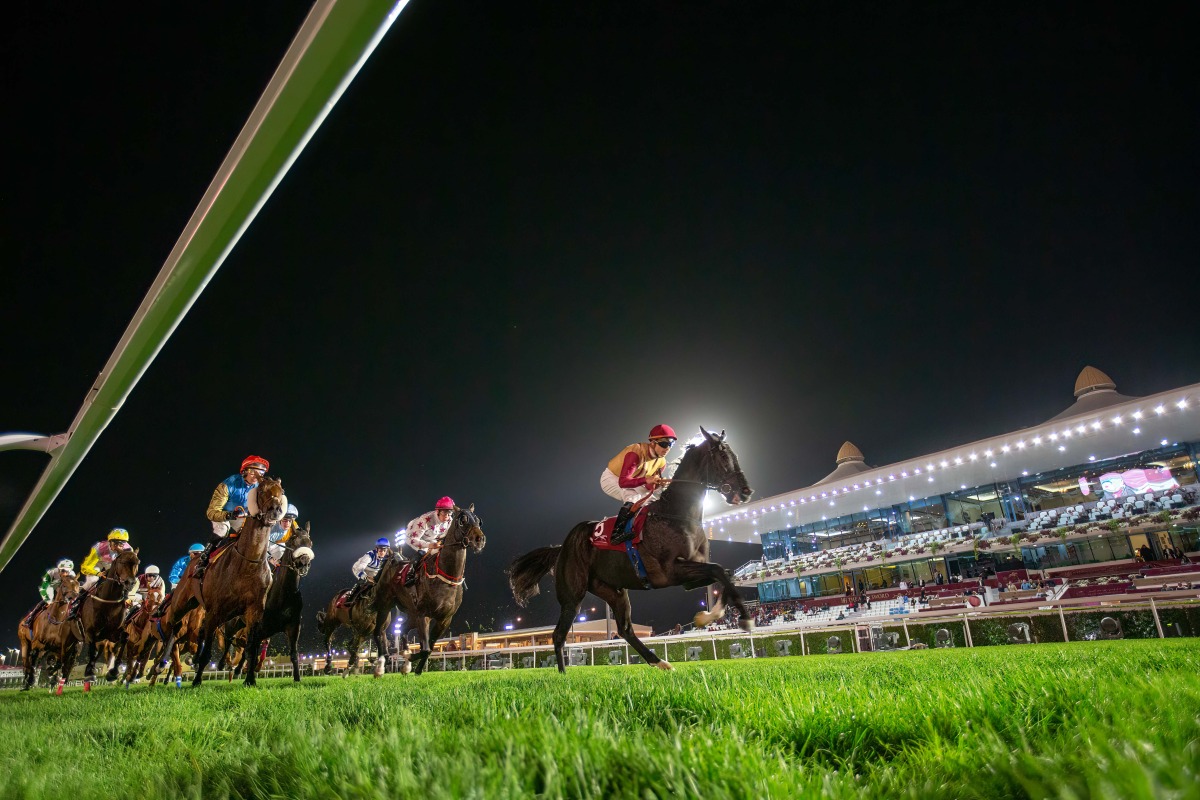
(602, 534)
(401, 577)
(342, 597)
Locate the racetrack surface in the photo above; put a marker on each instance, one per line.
(1096, 719)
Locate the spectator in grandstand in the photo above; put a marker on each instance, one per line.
(1147, 553)
(903, 585)
(861, 588)
(1025, 584)
(939, 580)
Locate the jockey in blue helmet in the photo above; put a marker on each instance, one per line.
(367, 567)
(179, 566)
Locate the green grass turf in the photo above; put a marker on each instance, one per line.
(1103, 719)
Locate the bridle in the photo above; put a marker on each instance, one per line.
(725, 487)
(291, 564)
(258, 517)
(464, 521)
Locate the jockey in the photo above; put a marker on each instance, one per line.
(179, 566)
(50, 584)
(636, 472)
(102, 555)
(227, 507)
(368, 566)
(148, 581)
(424, 534)
(281, 533)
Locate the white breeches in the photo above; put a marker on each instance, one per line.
(612, 487)
(222, 529)
(89, 581)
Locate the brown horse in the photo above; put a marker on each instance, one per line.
(284, 604)
(362, 620)
(674, 550)
(187, 639)
(431, 603)
(137, 634)
(102, 609)
(49, 633)
(235, 582)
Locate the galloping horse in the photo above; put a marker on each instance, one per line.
(674, 550)
(187, 637)
(432, 602)
(46, 633)
(136, 633)
(361, 618)
(235, 583)
(284, 604)
(103, 610)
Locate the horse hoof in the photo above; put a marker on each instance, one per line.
(747, 625)
(665, 666)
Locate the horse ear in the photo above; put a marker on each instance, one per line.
(722, 434)
(135, 550)
(707, 435)
(471, 508)
(308, 526)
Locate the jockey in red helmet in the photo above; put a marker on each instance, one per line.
(635, 472)
(227, 506)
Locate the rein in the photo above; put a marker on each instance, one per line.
(724, 487)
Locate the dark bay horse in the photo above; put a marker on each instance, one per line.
(235, 582)
(102, 611)
(674, 548)
(431, 603)
(361, 618)
(284, 604)
(49, 633)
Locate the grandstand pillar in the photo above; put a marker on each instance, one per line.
(1157, 623)
(967, 628)
(714, 644)
(1063, 619)
(907, 638)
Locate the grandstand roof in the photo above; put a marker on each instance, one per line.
(1101, 424)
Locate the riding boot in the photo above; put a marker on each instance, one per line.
(202, 559)
(411, 580)
(33, 614)
(355, 592)
(622, 531)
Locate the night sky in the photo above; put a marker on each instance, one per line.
(530, 231)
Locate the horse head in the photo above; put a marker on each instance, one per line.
(299, 554)
(68, 589)
(266, 502)
(124, 569)
(720, 469)
(469, 528)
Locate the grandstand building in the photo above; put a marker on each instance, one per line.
(1098, 475)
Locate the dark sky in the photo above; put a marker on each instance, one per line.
(530, 231)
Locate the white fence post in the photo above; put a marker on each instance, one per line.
(1063, 619)
(1157, 623)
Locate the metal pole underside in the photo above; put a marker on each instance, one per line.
(330, 48)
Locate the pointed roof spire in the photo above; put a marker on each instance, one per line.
(849, 453)
(1091, 380)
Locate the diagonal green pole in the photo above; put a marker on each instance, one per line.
(332, 45)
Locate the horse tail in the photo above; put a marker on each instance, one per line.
(526, 571)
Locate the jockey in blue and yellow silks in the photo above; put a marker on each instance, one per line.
(227, 507)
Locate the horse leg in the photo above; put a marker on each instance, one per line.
(293, 636)
(329, 648)
(618, 601)
(695, 571)
(423, 646)
(355, 641)
(381, 645)
(29, 655)
(570, 586)
(89, 672)
(207, 633)
(250, 653)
